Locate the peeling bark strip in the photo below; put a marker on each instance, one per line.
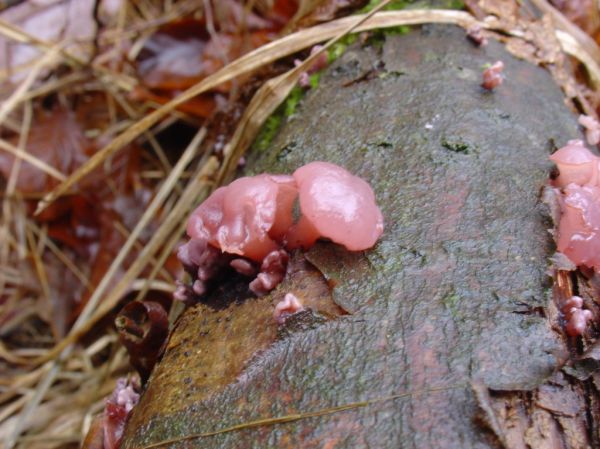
(451, 293)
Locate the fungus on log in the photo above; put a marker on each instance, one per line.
(452, 292)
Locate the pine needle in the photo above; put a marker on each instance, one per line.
(300, 416)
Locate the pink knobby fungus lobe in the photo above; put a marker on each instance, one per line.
(492, 76)
(116, 411)
(319, 63)
(288, 306)
(576, 317)
(249, 224)
(578, 235)
(592, 129)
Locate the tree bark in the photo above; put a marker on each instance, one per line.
(451, 305)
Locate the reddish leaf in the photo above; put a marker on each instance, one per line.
(201, 106)
(283, 11)
(329, 10)
(55, 138)
(182, 53)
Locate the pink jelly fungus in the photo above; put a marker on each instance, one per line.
(319, 63)
(336, 205)
(250, 221)
(116, 412)
(579, 227)
(577, 322)
(272, 272)
(492, 76)
(288, 306)
(575, 316)
(592, 129)
(576, 164)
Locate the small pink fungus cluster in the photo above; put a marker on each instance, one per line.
(319, 64)
(492, 76)
(249, 224)
(578, 236)
(116, 411)
(577, 318)
(578, 182)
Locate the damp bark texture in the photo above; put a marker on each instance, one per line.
(454, 295)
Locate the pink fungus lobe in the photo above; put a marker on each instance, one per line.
(289, 305)
(576, 317)
(116, 411)
(576, 164)
(578, 321)
(579, 226)
(319, 63)
(272, 271)
(337, 205)
(492, 76)
(592, 129)
(240, 218)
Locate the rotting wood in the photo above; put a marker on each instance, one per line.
(454, 292)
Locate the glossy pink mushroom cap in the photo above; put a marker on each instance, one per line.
(337, 205)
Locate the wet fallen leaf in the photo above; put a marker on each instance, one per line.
(55, 138)
(49, 21)
(327, 10)
(182, 53)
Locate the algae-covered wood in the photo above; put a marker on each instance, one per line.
(451, 293)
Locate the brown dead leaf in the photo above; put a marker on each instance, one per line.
(51, 21)
(583, 13)
(327, 10)
(57, 139)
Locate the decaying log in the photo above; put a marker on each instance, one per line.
(448, 307)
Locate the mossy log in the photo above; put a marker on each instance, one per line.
(453, 296)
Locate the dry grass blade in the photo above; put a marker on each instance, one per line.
(157, 202)
(9, 148)
(587, 44)
(19, 94)
(63, 258)
(84, 322)
(267, 100)
(197, 189)
(90, 315)
(573, 47)
(249, 63)
(125, 82)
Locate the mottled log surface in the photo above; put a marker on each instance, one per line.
(455, 291)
